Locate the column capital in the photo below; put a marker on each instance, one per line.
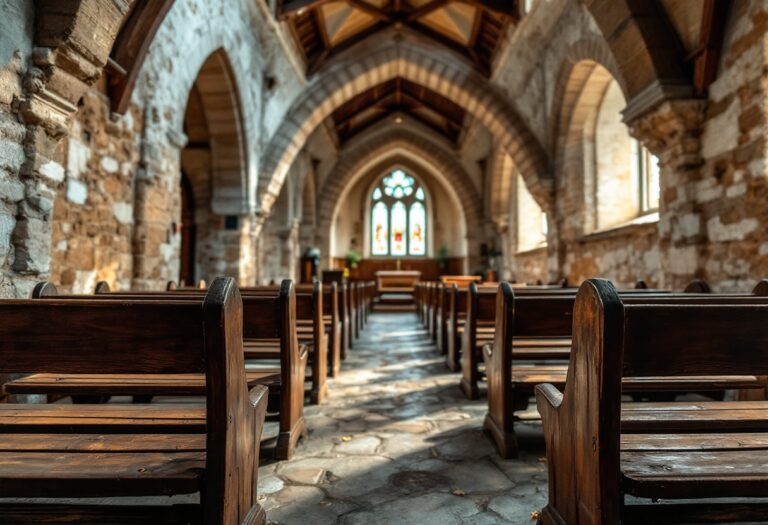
(672, 125)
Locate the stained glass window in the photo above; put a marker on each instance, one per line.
(398, 216)
(417, 220)
(379, 228)
(399, 222)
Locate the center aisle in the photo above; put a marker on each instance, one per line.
(397, 443)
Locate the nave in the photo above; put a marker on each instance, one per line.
(218, 218)
(397, 442)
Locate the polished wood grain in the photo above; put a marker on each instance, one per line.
(682, 451)
(202, 337)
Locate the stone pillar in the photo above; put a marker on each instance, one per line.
(505, 264)
(72, 40)
(157, 229)
(672, 132)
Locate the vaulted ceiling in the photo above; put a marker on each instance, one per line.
(473, 28)
(393, 99)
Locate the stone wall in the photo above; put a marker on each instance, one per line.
(93, 210)
(16, 26)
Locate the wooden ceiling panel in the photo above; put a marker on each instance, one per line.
(473, 28)
(399, 96)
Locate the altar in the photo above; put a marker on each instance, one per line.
(397, 281)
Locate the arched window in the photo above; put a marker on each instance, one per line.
(627, 174)
(532, 225)
(398, 216)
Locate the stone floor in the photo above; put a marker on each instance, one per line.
(397, 443)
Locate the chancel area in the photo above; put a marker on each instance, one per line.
(383, 262)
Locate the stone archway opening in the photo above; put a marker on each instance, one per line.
(214, 162)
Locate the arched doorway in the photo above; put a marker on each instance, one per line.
(188, 232)
(215, 236)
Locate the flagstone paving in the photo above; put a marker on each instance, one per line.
(397, 443)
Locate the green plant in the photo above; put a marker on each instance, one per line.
(442, 257)
(353, 258)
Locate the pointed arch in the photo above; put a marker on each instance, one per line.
(345, 80)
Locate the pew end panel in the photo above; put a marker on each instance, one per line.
(202, 336)
(581, 425)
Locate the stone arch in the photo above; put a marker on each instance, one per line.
(391, 143)
(647, 51)
(224, 46)
(458, 82)
(574, 155)
(423, 170)
(571, 79)
(380, 151)
(214, 162)
(499, 188)
(221, 104)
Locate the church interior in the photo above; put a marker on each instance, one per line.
(370, 262)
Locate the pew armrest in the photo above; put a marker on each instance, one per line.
(303, 353)
(548, 401)
(258, 395)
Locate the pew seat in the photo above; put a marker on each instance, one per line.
(130, 384)
(98, 515)
(100, 465)
(101, 456)
(697, 416)
(182, 418)
(657, 466)
(525, 377)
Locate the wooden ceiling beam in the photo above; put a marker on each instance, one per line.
(426, 9)
(346, 44)
(372, 10)
(294, 7)
(130, 50)
(707, 55)
(447, 42)
(425, 103)
(505, 8)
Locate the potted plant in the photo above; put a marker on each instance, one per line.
(353, 259)
(442, 257)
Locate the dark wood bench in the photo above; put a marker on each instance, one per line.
(595, 461)
(441, 317)
(269, 333)
(315, 333)
(334, 325)
(477, 329)
(513, 368)
(310, 329)
(434, 301)
(354, 312)
(213, 453)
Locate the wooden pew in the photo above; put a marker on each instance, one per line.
(315, 333)
(418, 299)
(442, 316)
(346, 317)
(354, 312)
(269, 333)
(201, 338)
(594, 463)
(311, 331)
(545, 320)
(344, 314)
(478, 329)
(334, 325)
(434, 301)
